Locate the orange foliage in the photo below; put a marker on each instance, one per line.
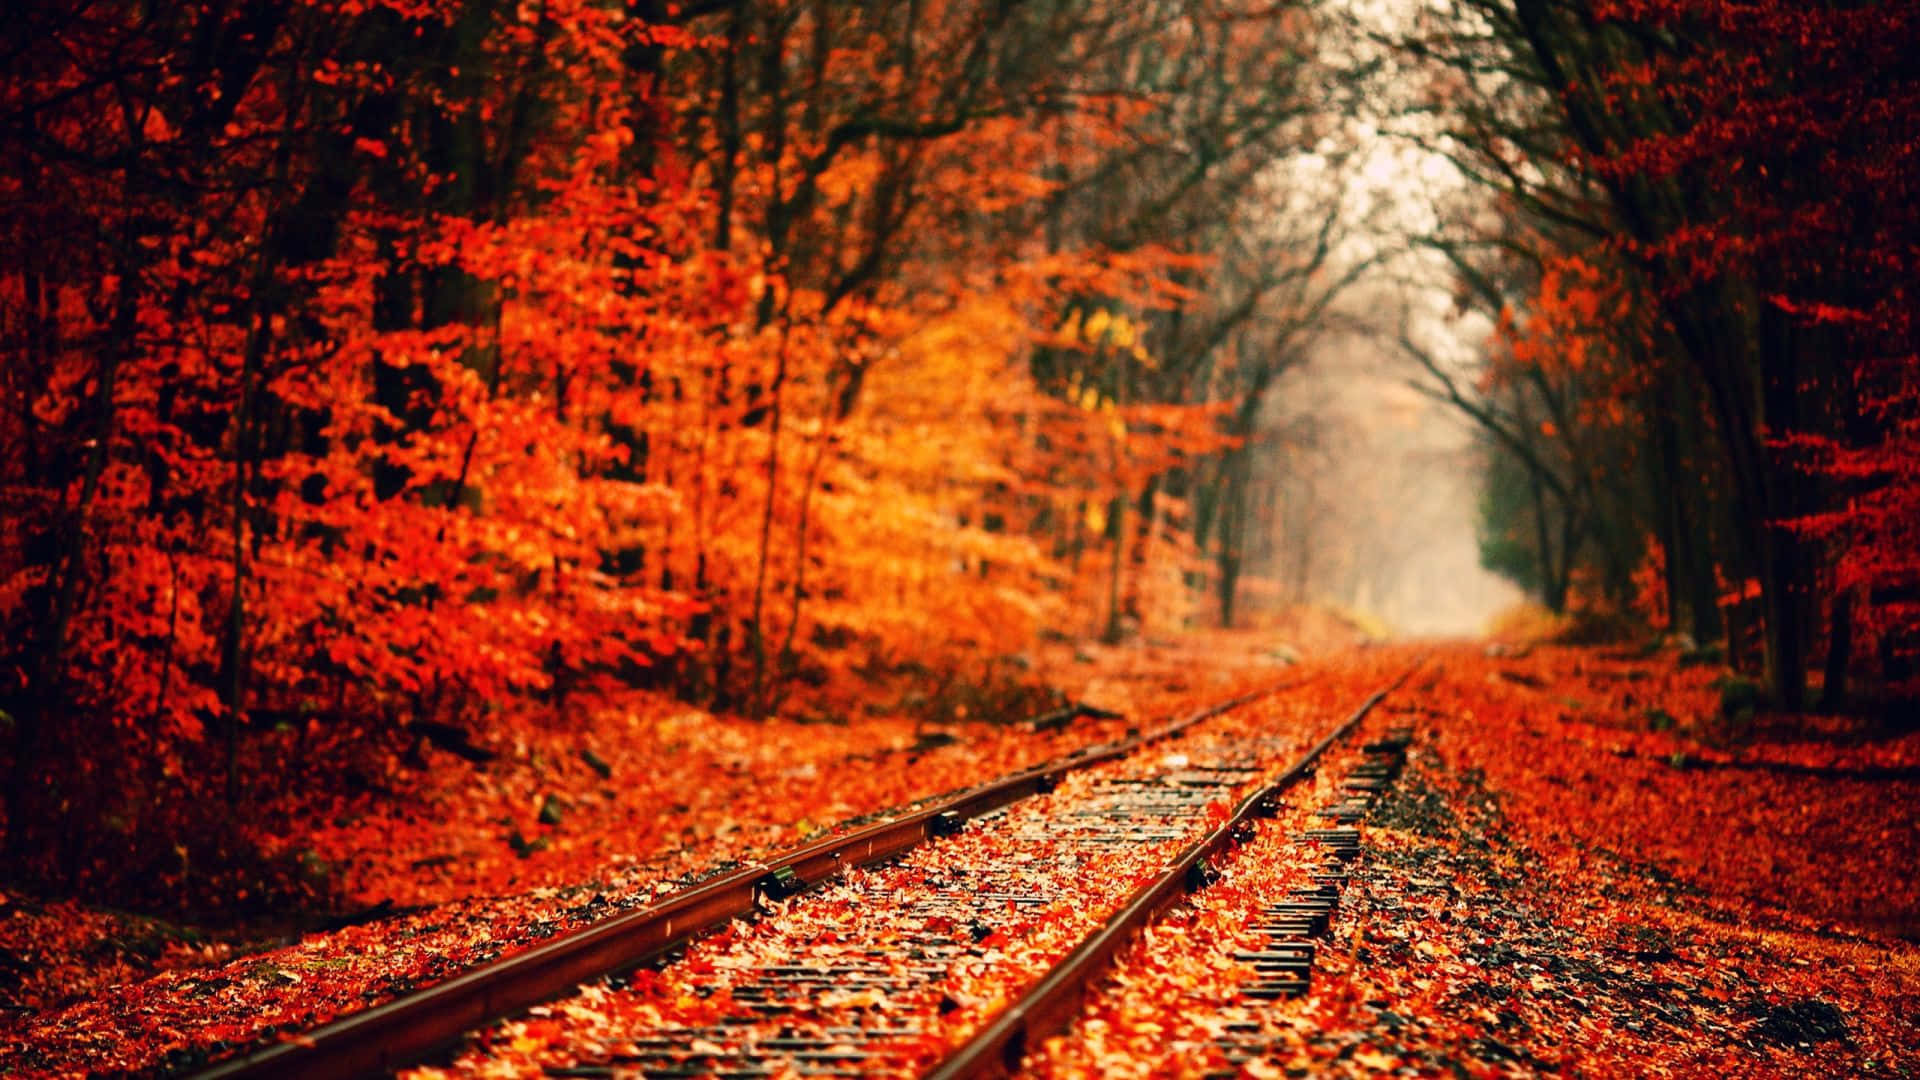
(450, 357)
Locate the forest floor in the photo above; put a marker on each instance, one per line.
(1614, 872)
(1556, 886)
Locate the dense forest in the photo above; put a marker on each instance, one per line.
(397, 370)
(1698, 259)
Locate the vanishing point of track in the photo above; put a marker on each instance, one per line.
(1077, 855)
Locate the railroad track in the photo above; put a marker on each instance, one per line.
(872, 952)
(1286, 927)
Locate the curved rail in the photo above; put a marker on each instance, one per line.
(405, 1030)
(1051, 1004)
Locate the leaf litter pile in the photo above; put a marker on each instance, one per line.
(1586, 866)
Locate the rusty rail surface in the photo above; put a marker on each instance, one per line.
(1049, 1005)
(414, 1026)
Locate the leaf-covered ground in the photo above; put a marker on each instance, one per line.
(459, 867)
(1587, 866)
(1550, 888)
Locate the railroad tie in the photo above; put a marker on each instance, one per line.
(1283, 963)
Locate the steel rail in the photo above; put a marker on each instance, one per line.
(409, 1028)
(1049, 1005)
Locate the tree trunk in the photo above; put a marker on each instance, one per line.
(1117, 520)
(1232, 521)
(1833, 692)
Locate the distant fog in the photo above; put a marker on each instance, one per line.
(1371, 493)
